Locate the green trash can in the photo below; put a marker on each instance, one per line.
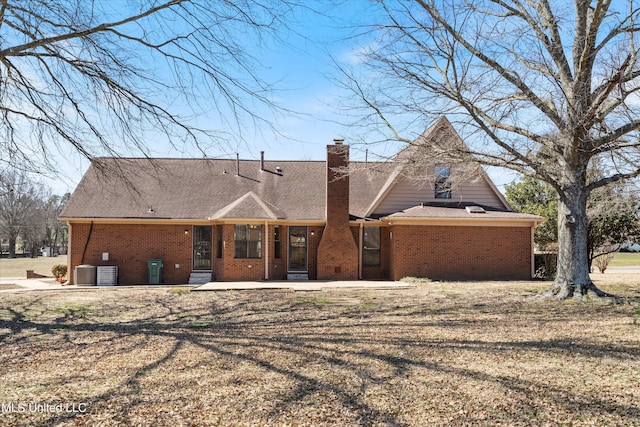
(155, 271)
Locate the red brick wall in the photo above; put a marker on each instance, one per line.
(437, 252)
(130, 246)
(337, 252)
(217, 260)
(460, 253)
(278, 266)
(337, 195)
(229, 268)
(236, 269)
(337, 257)
(312, 245)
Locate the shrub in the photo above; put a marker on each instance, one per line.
(59, 270)
(545, 265)
(602, 261)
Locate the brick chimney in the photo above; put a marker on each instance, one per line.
(337, 251)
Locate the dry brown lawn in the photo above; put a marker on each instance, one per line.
(470, 353)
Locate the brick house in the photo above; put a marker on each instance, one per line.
(231, 220)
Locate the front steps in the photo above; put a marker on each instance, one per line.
(199, 277)
(202, 277)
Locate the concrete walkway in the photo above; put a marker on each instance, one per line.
(45, 284)
(304, 285)
(49, 284)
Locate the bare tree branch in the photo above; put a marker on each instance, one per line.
(540, 87)
(104, 76)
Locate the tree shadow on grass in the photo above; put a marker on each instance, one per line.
(361, 345)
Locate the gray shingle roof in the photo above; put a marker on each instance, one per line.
(202, 189)
(458, 212)
(210, 189)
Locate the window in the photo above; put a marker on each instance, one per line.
(248, 241)
(276, 242)
(220, 245)
(371, 246)
(443, 184)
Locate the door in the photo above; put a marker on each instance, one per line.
(202, 247)
(298, 249)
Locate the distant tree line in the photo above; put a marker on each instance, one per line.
(29, 216)
(613, 212)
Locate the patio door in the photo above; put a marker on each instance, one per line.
(298, 249)
(202, 240)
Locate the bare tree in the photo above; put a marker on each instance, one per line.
(109, 77)
(54, 229)
(32, 229)
(19, 198)
(541, 87)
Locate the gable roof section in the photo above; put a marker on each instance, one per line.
(410, 164)
(249, 206)
(384, 191)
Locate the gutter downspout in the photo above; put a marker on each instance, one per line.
(266, 250)
(86, 243)
(68, 282)
(360, 255)
(533, 250)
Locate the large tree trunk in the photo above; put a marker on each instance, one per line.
(55, 242)
(572, 278)
(12, 247)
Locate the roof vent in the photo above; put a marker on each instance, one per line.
(278, 169)
(475, 209)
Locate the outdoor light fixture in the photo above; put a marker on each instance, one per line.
(186, 231)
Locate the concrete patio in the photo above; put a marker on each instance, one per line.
(49, 284)
(304, 285)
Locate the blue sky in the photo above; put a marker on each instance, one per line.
(302, 68)
(299, 68)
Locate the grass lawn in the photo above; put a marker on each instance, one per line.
(473, 353)
(42, 265)
(18, 267)
(625, 259)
